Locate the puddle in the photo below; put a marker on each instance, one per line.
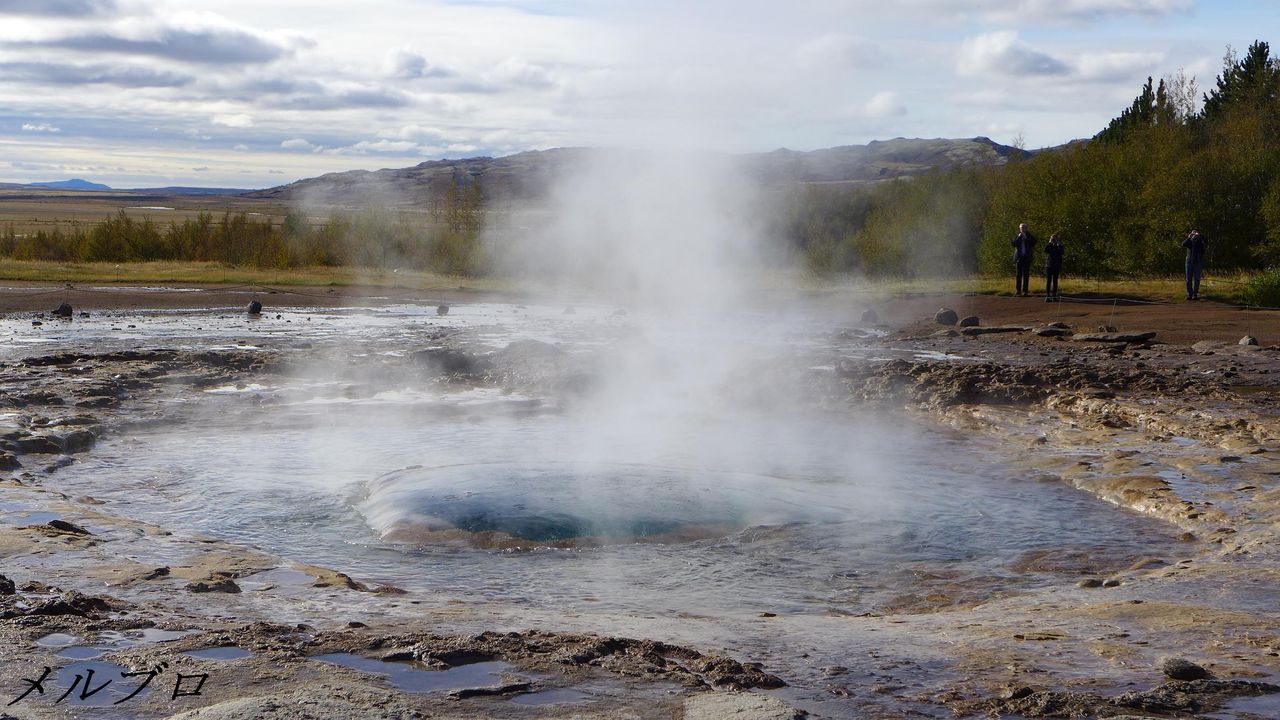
(281, 578)
(1249, 708)
(219, 653)
(32, 518)
(554, 696)
(57, 640)
(131, 638)
(100, 684)
(81, 652)
(410, 678)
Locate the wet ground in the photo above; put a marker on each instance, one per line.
(894, 524)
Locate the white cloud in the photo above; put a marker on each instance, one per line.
(885, 104)
(1118, 66)
(297, 144)
(1003, 53)
(840, 51)
(238, 120)
(40, 127)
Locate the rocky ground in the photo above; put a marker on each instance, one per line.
(1181, 425)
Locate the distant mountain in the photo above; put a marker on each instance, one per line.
(181, 190)
(76, 184)
(526, 176)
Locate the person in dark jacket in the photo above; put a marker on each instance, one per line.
(1024, 245)
(1195, 243)
(1052, 267)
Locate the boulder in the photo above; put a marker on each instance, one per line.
(442, 309)
(1182, 669)
(255, 308)
(870, 317)
(1049, 331)
(969, 321)
(945, 316)
(62, 311)
(1248, 340)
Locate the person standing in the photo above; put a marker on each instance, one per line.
(1024, 245)
(1195, 243)
(1052, 267)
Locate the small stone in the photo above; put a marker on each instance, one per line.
(1248, 340)
(225, 585)
(63, 311)
(255, 308)
(67, 527)
(946, 333)
(870, 317)
(6, 586)
(1111, 583)
(1182, 669)
(442, 309)
(945, 316)
(969, 321)
(1090, 583)
(1015, 692)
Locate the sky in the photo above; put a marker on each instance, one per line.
(239, 93)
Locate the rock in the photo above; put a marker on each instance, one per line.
(945, 316)
(1106, 328)
(870, 317)
(9, 461)
(1113, 337)
(255, 308)
(1182, 669)
(451, 362)
(743, 706)
(969, 321)
(38, 444)
(78, 441)
(442, 309)
(1248, 340)
(63, 311)
(971, 331)
(156, 574)
(6, 586)
(1015, 692)
(224, 585)
(1049, 331)
(84, 314)
(1059, 325)
(947, 333)
(36, 323)
(1089, 583)
(67, 527)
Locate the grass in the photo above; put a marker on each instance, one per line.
(1230, 288)
(1227, 288)
(219, 274)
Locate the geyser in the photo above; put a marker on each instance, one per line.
(500, 504)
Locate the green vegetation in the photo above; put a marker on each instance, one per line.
(447, 243)
(1122, 203)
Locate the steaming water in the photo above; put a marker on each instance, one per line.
(465, 493)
